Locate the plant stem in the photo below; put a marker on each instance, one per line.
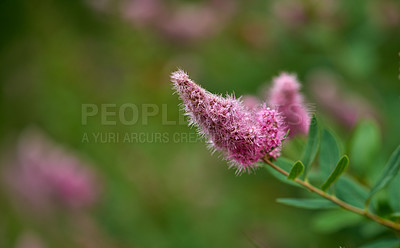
(342, 204)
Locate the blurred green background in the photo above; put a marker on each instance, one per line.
(57, 55)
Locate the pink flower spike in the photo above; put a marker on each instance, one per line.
(285, 96)
(229, 126)
(272, 130)
(50, 176)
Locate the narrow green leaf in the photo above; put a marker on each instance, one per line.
(307, 203)
(394, 193)
(334, 220)
(286, 134)
(339, 169)
(391, 170)
(371, 229)
(395, 215)
(311, 148)
(284, 164)
(328, 153)
(383, 243)
(351, 192)
(296, 170)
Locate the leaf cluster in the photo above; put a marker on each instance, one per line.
(322, 158)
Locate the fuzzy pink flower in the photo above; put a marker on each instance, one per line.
(229, 126)
(49, 176)
(285, 96)
(272, 129)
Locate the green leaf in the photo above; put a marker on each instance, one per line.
(296, 170)
(286, 134)
(395, 215)
(365, 146)
(286, 165)
(351, 192)
(371, 229)
(334, 220)
(339, 169)
(391, 170)
(394, 193)
(383, 243)
(307, 203)
(312, 145)
(328, 153)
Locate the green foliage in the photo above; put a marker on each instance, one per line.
(391, 170)
(396, 214)
(345, 188)
(372, 229)
(339, 169)
(394, 193)
(307, 203)
(285, 164)
(383, 243)
(348, 190)
(329, 153)
(365, 146)
(334, 220)
(296, 170)
(312, 145)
